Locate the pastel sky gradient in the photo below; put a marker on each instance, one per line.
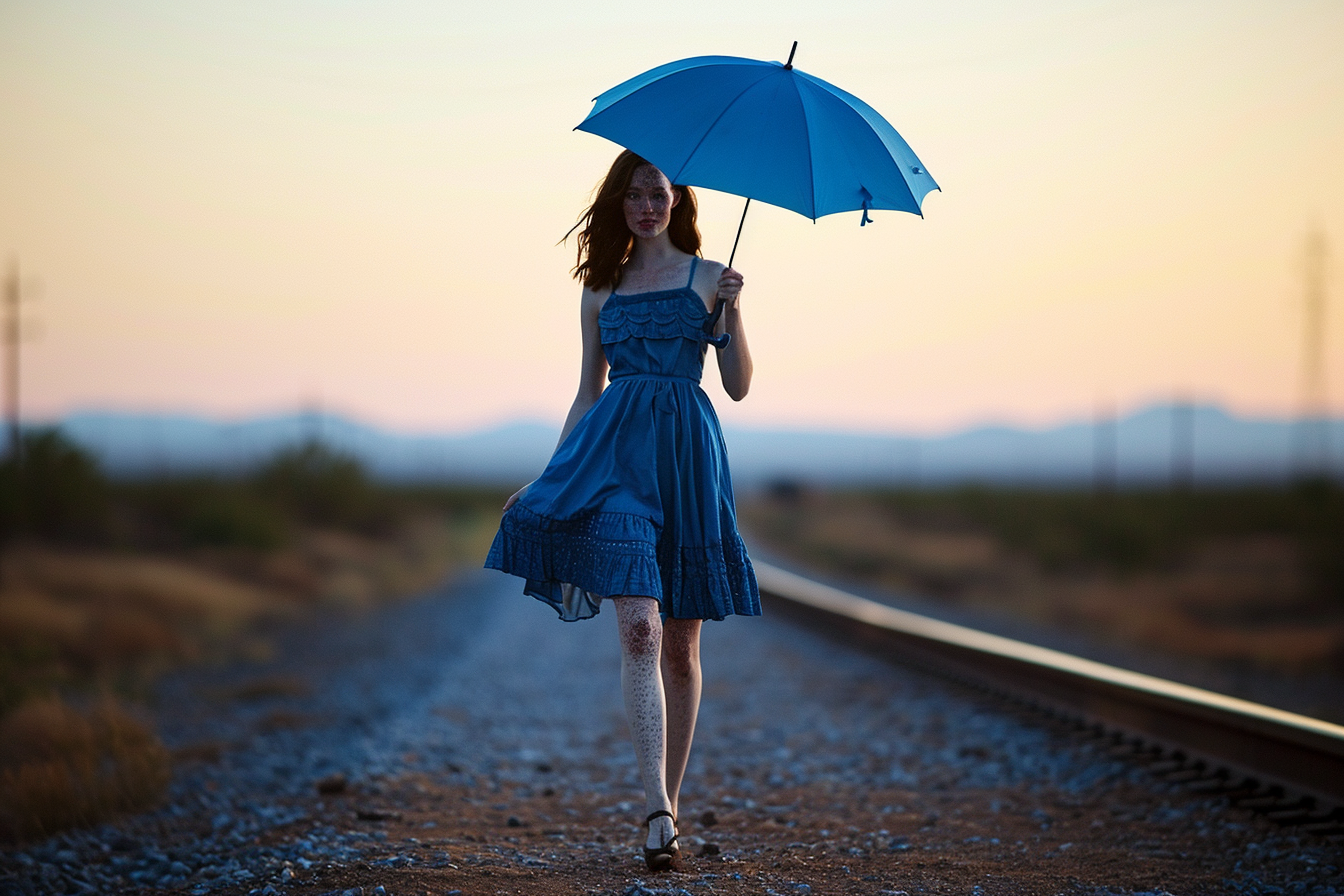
(245, 207)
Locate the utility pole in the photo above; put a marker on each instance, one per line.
(12, 299)
(12, 516)
(1313, 447)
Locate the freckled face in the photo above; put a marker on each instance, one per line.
(649, 202)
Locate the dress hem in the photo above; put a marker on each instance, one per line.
(571, 565)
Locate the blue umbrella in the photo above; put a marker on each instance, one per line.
(765, 131)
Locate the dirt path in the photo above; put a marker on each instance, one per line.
(469, 742)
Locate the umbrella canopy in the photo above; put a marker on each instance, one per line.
(766, 131)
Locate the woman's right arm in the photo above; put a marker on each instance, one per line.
(591, 376)
(594, 370)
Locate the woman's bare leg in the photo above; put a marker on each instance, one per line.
(681, 685)
(641, 631)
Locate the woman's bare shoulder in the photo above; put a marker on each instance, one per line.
(710, 266)
(594, 299)
(706, 282)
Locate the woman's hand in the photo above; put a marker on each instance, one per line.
(735, 358)
(513, 499)
(729, 288)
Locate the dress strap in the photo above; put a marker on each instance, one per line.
(695, 260)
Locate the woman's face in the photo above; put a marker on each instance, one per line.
(649, 201)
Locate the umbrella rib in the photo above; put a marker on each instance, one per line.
(797, 82)
(811, 169)
(705, 134)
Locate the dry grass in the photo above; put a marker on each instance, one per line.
(1243, 600)
(61, 767)
(87, 620)
(357, 571)
(71, 617)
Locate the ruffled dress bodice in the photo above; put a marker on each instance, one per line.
(661, 333)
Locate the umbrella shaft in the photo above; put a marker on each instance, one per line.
(739, 231)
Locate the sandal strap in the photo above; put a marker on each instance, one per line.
(661, 813)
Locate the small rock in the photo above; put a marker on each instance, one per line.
(709, 849)
(332, 784)
(370, 814)
(514, 821)
(708, 818)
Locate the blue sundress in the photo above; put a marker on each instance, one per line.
(637, 500)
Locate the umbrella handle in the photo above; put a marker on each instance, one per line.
(739, 231)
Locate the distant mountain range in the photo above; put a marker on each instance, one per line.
(1154, 445)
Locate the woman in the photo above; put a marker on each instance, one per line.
(636, 504)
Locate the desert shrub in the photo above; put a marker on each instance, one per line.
(55, 490)
(321, 486)
(1320, 527)
(202, 510)
(309, 485)
(236, 518)
(61, 767)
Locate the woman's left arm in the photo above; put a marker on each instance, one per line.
(735, 360)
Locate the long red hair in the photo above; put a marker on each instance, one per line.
(605, 242)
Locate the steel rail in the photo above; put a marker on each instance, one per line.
(1296, 752)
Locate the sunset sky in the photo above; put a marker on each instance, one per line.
(237, 208)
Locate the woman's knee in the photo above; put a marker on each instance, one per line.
(640, 626)
(681, 648)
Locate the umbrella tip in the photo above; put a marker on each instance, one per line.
(789, 64)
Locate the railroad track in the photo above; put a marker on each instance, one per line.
(1288, 766)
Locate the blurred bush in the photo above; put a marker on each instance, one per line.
(56, 492)
(320, 486)
(199, 511)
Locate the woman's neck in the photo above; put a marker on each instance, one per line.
(654, 254)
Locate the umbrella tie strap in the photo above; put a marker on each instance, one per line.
(867, 204)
